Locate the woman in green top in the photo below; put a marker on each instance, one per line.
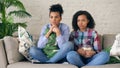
(53, 43)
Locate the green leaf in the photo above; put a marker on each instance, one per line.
(20, 13)
(10, 19)
(15, 3)
(1, 1)
(23, 24)
(7, 25)
(7, 29)
(113, 60)
(0, 7)
(1, 30)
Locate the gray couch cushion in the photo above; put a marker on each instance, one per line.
(30, 65)
(3, 61)
(11, 46)
(108, 40)
(100, 38)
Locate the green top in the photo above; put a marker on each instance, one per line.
(51, 47)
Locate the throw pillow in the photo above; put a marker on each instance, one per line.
(113, 59)
(115, 49)
(11, 47)
(26, 41)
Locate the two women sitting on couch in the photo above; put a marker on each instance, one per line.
(83, 47)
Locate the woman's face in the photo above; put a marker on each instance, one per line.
(55, 18)
(82, 22)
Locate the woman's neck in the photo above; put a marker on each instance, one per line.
(83, 30)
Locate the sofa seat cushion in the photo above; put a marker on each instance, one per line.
(104, 66)
(26, 64)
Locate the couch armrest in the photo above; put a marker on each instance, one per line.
(3, 60)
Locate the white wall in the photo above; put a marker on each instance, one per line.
(105, 12)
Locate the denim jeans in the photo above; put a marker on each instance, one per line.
(37, 53)
(98, 59)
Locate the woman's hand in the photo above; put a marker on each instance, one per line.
(56, 30)
(51, 28)
(81, 51)
(50, 31)
(86, 53)
(89, 53)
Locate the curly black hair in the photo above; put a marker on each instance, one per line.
(91, 23)
(56, 8)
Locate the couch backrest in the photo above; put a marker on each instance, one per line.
(100, 37)
(12, 49)
(108, 40)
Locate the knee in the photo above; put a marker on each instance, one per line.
(68, 45)
(33, 50)
(105, 55)
(71, 55)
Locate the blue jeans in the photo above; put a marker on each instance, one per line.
(37, 53)
(98, 59)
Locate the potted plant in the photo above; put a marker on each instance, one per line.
(7, 24)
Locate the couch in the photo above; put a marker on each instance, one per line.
(11, 58)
